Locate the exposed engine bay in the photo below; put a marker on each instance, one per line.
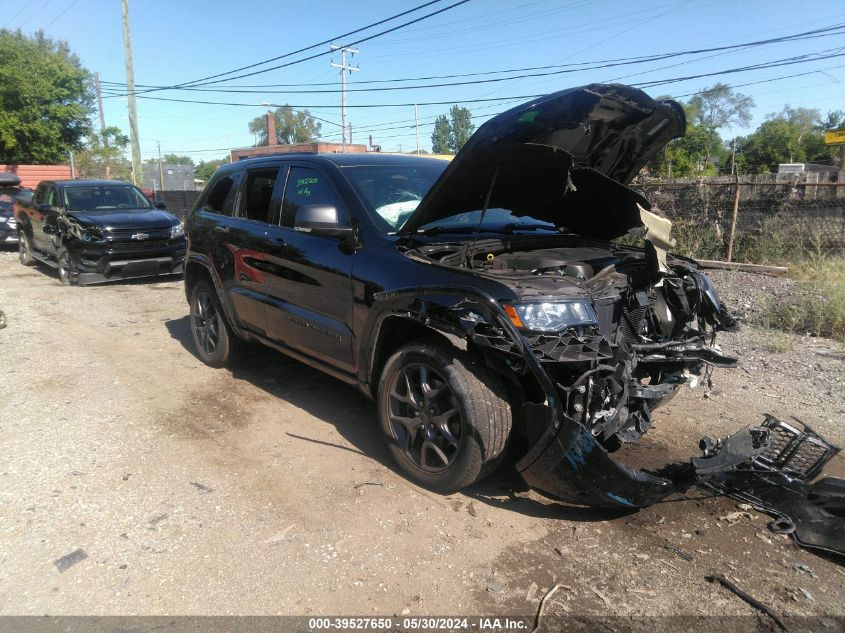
(655, 327)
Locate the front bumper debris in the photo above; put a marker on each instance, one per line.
(769, 467)
(782, 482)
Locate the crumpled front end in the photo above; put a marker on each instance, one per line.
(656, 332)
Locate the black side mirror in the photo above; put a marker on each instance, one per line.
(161, 204)
(44, 208)
(321, 219)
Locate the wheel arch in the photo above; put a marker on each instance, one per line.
(198, 268)
(394, 331)
(413, 314)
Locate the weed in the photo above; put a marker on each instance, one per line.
(818, 307)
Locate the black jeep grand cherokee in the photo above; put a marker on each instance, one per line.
(480, 302)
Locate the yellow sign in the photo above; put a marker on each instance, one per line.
(834, 137)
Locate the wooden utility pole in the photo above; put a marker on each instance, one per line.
(417, 128)
(103, 136)
(130, 89)
(160, 168)
(733, 219)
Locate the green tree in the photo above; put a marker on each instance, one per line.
(205, 170)
(176, 159)
(102, 155)
(795, 135)
(687, 157)
(440, 135)
(460, 127)
(172, 159)
(292, 126)
(46, 99)
(716, 108)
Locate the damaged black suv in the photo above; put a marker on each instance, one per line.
(481, 302)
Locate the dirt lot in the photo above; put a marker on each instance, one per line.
(267, 490)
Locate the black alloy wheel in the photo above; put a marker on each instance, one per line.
(425, 417)
(214, 341)
(444, 414)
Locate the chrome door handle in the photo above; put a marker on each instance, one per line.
(222, 229)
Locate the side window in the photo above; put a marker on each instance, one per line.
(257, 197)
(38, 198)
(51, 196)
(306, 186)
(221, 198)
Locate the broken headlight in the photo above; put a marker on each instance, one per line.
(177, 230)
(551, 316)
(92, 236)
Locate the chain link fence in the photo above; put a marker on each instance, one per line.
(752, 220)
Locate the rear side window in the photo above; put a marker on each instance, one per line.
(38, 198)
(257, 197)
(221, 198)
(306, 186)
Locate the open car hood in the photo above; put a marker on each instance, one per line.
(564, 158)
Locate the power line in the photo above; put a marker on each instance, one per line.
(788, 61)
(323, 43)
(16, 14)
(323, 53)
(368, 105)
(838, 29)
(37, 11)
(66, 9)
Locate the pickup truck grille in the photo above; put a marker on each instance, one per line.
(140, 245)
(137, 236)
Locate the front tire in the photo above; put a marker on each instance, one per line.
(25, 249)
(67, 272)
(215, 343)
(444, 415)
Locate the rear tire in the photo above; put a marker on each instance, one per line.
(215, 342)
(25, 249)
(444, 414)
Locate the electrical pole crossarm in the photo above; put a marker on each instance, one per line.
(343, 70)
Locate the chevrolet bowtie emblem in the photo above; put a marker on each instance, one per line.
(140, 236)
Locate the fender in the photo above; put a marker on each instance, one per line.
(205, 262)
(434, 307)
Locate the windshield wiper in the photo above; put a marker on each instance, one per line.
(437, 230)
(506, 229)
(515, 226)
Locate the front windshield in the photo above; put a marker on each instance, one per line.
(102, 197)
(391, 193)
(493, 219)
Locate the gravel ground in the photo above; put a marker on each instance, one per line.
(266, 488)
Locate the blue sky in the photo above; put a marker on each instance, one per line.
(177, 41)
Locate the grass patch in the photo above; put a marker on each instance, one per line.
(779, 342)
(818, 308)
(774, 242)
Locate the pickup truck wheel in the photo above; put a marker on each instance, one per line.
(444, 415)
(67, 273)
(25, 249)
(214, 340)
